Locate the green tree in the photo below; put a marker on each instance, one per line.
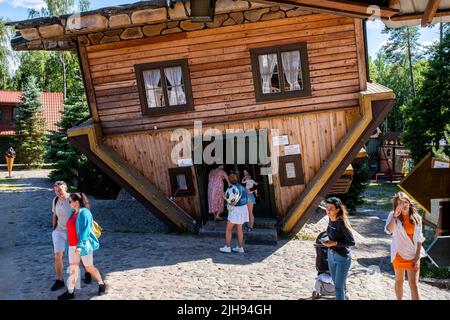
(444, 151)
(30, 126)
(34, 64)
(6, 56)
(70, 164)
(397, 66)
(429, 113)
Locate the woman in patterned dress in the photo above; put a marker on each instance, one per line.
(216, 191)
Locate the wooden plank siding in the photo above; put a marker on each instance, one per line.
(221, 72)
(317, 134)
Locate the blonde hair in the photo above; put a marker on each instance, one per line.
(403, 197)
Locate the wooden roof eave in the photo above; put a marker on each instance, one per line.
(344, 8)
(87, 137)
(343, 154)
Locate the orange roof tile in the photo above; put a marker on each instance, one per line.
(52, 104)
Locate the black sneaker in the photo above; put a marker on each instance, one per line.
(57, 285)
(66, 296)
(87, 278)
(101, 289)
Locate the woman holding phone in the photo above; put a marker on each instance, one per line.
(340, 238)
(405, 226)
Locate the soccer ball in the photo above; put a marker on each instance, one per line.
(232, 196)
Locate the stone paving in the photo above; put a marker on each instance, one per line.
(154, 264)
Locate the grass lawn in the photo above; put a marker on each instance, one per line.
(378, 196)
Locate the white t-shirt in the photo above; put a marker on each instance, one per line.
(401, 243)
(249, 183)
(62, 210)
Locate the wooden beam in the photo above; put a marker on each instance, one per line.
(133, 179)
(88, 85)
(393, 3)
(418, 15)
(345, 8)
(430, 12)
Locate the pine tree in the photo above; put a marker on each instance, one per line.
(70, 165)
(429, 113)
(399, 57)
(30, 127)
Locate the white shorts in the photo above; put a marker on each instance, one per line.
(74, 257)
(59, 240)
(239, 215)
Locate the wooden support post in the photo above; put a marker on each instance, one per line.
(430, 12)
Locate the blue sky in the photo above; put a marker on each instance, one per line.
(14, 10)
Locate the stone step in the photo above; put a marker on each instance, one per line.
(260, 223)
(257, 236)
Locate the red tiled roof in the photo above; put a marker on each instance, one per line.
(52, 105)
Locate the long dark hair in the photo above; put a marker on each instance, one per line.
(81, 198)
(342, 210)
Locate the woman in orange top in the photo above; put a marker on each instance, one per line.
(405, 225)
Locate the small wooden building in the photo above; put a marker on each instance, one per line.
(52, 108)
(294, 72)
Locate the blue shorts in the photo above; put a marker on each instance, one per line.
(251, 198)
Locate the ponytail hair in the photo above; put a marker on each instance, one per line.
(81, 198)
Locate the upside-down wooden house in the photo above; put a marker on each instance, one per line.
(294, 71)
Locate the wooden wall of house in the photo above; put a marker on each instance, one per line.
(317, 134)
(221, 71)
(6, 119)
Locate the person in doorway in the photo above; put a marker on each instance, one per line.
(61, 211)
(82, 244)
(236, 197)
(251, 200)
(216, 191)
(405, 226)
(340, 237)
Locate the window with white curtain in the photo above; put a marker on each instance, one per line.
(164, 87)
(281, 72)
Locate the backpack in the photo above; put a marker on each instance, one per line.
(96, 229)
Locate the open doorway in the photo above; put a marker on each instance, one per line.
(264, 207)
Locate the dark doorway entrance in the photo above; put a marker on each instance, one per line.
(264, 202)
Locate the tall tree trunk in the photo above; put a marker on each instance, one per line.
(441, 33)
(411, 75)
(64, 72)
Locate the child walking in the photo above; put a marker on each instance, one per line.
(251, 200)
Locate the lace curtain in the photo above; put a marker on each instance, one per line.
(291, 69)
(154, 91)
(176, 93)
(267, 63)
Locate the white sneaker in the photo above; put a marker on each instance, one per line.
(225, 249)
(238, 249)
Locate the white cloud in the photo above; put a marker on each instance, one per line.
(426, 43)
(375, 24)
(32, 4)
